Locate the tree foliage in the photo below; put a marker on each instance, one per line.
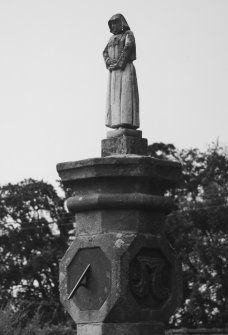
(199, 233)
(33, 237)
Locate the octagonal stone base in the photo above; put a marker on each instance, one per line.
(134, 277)
(124, 141)
(129, 220)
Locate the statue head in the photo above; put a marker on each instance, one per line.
(118, 24)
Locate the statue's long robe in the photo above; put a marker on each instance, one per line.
(122, 104)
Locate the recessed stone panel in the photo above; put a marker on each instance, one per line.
(95, 286)
(150, 278)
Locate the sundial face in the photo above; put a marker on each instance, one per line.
(89, 278)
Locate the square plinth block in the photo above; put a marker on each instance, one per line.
(124, 132)
(124, 145)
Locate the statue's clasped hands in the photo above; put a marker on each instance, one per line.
(112, 64)
(113, 67)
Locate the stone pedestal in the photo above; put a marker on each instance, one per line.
(124, 141)
(120, 276)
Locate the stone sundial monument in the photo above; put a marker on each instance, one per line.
(120, 276)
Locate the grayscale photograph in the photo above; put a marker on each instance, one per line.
(114, 170)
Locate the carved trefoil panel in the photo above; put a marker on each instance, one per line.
(150, 278)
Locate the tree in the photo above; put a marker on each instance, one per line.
(199, 233)
(34, 232)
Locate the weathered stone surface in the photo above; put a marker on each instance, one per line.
(120, 201)
(131, 173)
(116, 300)
(122, 101)
(113, 246)
(103, 221)
(133, 277)
(120, 329)
(98, 278)
(124, 132)
(124, 145)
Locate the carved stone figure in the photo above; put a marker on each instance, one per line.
(122, 105)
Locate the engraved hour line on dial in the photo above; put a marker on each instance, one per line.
(79, 282)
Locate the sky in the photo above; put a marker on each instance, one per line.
(53, 79)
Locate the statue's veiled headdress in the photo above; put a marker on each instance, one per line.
(122, 19)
